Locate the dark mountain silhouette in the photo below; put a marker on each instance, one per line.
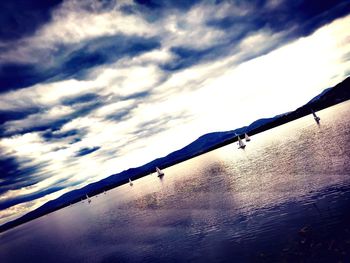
(205, 143)
(319, 95)
(327, 98)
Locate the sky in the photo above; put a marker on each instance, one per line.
(91, 88)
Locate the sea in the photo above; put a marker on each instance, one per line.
(284, 198)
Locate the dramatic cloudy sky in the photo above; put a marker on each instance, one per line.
(90, 88)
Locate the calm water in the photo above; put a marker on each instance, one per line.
(284, 198)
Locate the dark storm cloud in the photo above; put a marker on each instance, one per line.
(73, 61)
(14, 76)
(19, 114)
(156, 9)
(138, 95)
(53, 124)
(98, 5)
(125, 113)
(304, 16)
(157, 125)
(15, 174)
(50, 135)
(298, 18)
(186, 57)
(161, 4)
(20, 18)
(84, 98)
(120, 115)
(81, 106)
(149, 129)
(107, 50)
(86, 151)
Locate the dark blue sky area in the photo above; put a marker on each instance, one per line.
(20, 18)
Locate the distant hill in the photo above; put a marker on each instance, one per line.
(205, 143)
(327, 98)
(319, 95)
